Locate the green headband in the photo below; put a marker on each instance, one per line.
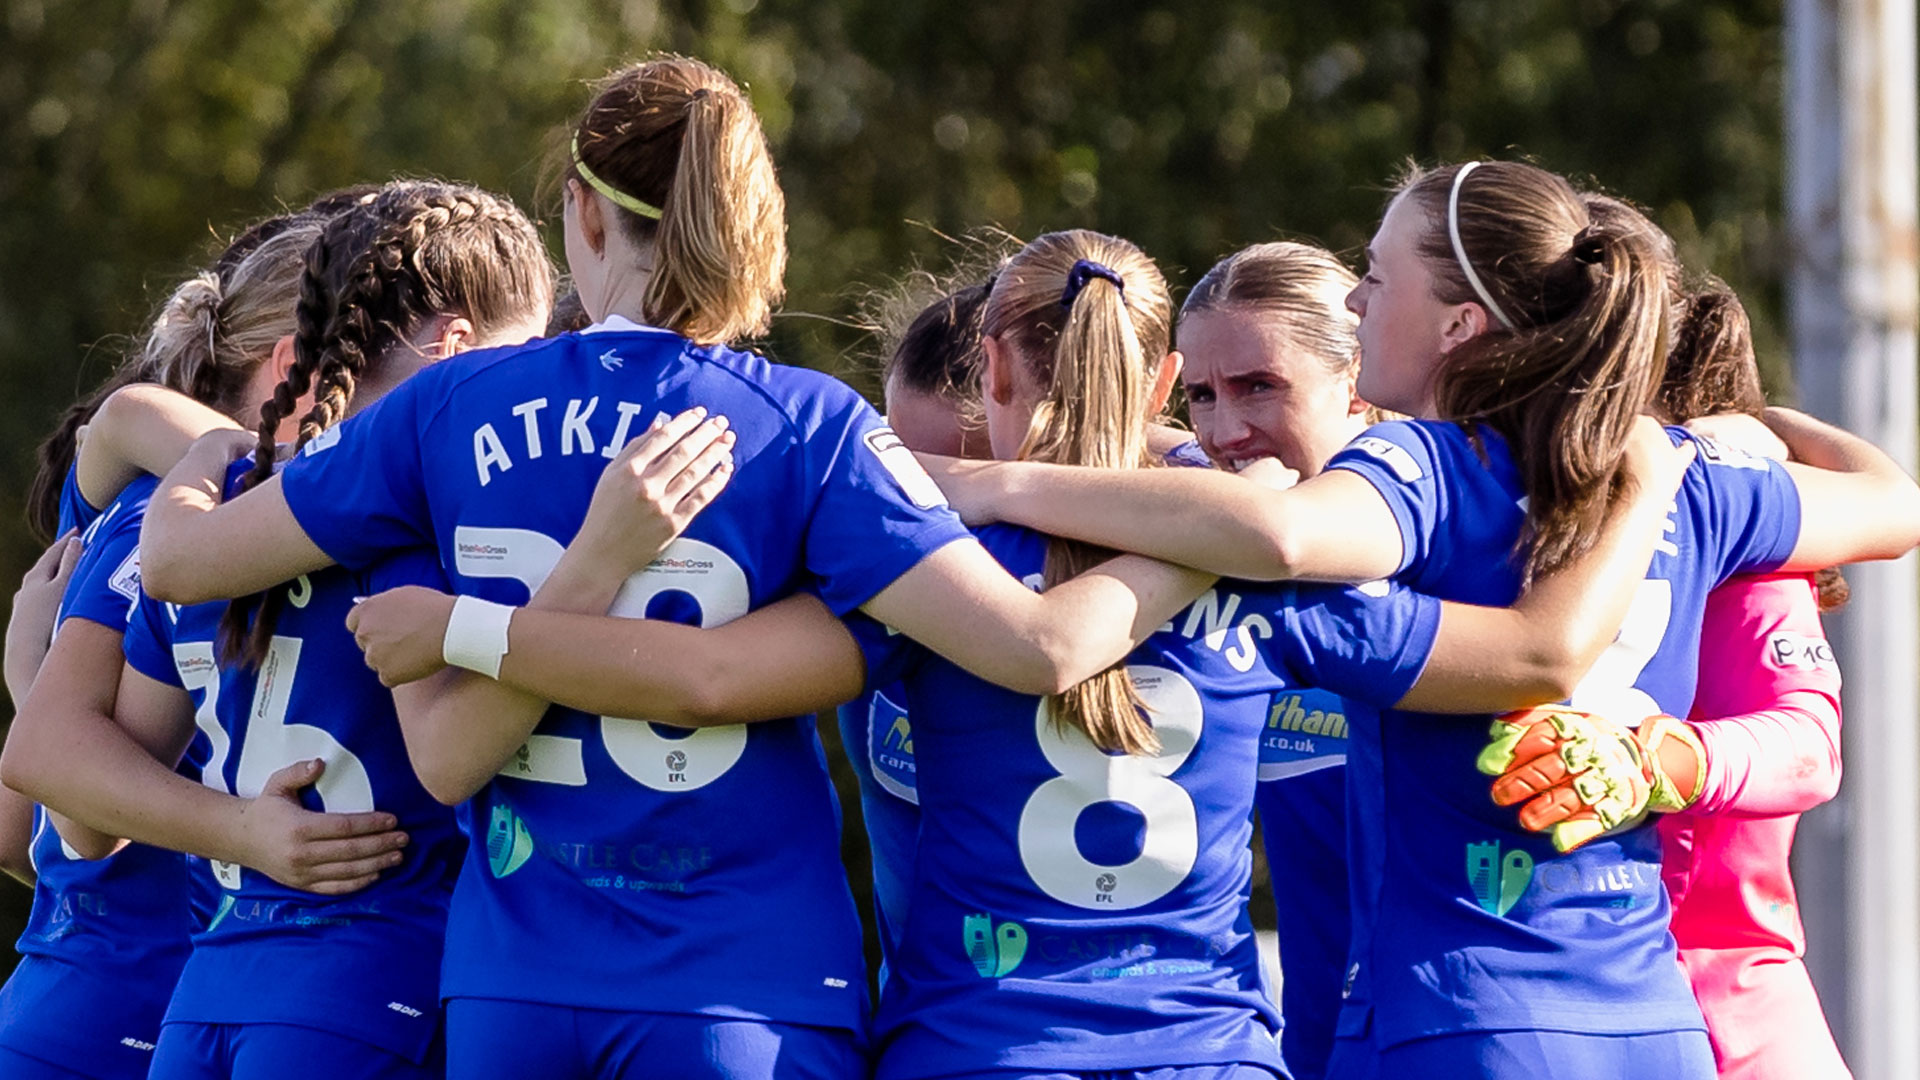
(620, 198)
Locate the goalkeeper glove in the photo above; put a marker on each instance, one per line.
(1582, 775)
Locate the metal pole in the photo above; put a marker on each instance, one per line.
(1853, 291)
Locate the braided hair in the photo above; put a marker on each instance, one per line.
(418, 250)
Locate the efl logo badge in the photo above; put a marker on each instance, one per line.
(1392, 455)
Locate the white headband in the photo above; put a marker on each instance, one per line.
(1460, 251)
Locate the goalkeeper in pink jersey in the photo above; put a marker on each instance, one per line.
(1768, 716)
(1765, 747)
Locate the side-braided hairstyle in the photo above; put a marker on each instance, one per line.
(377, 273)
(209, 335)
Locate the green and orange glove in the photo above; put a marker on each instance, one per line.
(1581, 775)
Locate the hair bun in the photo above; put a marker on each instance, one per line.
(1589, 246)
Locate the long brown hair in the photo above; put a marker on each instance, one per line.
(1711, 365)
(1572, 355)
(376, 274)
(679, 136)
(1091, 346)
(210, 336)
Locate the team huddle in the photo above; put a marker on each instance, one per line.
(423, 681)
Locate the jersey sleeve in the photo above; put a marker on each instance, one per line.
(358, 489)
(877, 513)
(1189, 455)
(416, 566)
(1753, 504)
(148, 645)
(1397, 458)
(1768, 707)
(106, 582)
(890, 654)
(75, 511)
(1368, 642)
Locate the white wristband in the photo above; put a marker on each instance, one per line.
(477, 635)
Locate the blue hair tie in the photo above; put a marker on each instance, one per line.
(1084, 271)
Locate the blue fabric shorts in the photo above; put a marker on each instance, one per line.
(191, 1051)
(1528, 1055)
(61, 1015)
(15, 1065)
(518, 1040)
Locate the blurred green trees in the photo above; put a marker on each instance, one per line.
(135, 134)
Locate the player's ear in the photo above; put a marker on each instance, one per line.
(282, 359)
(996, 381)
(456, 335)
(1163, 380)
(593, 223)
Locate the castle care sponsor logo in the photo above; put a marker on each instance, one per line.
(1497, 881)
(996, 949)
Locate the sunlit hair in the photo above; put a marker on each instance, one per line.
(1588, 300)
(376, 274)
(1711, 366)
(1301, 285)
(1092, 359)
(211, 335)
(678, 135)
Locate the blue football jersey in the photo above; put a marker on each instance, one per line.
(1462, 919)
(75, 511)
(1073, 909)
(618, 864)
(878, 739)
(368, 963)
(1303, 822)
(119, 925)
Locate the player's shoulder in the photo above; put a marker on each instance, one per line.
(1410, 450)
(807, 397)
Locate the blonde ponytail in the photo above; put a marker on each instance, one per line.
(1088, 316)
(676, 134)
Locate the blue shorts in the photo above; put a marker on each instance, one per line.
(190, 1051)
(518, 1040)
(1174, 1073)
(15, 1065)
(62, 1015)
(1527, 1055)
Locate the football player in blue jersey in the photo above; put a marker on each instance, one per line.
(1051, 939)
(1530, 336)
(420, 272)
(1271, 367)
(632, 895)
(108, 936)
(931, 381)
(141, 419)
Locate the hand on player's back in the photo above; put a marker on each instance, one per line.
(330, 854)
(654, 488)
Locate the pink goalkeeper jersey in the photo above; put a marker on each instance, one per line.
(1768, 712)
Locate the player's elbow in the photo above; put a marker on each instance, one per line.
(23, 765)
(449, 786)
(1279, 550)
(170, 574)
(88, 844)
(1054, 666)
